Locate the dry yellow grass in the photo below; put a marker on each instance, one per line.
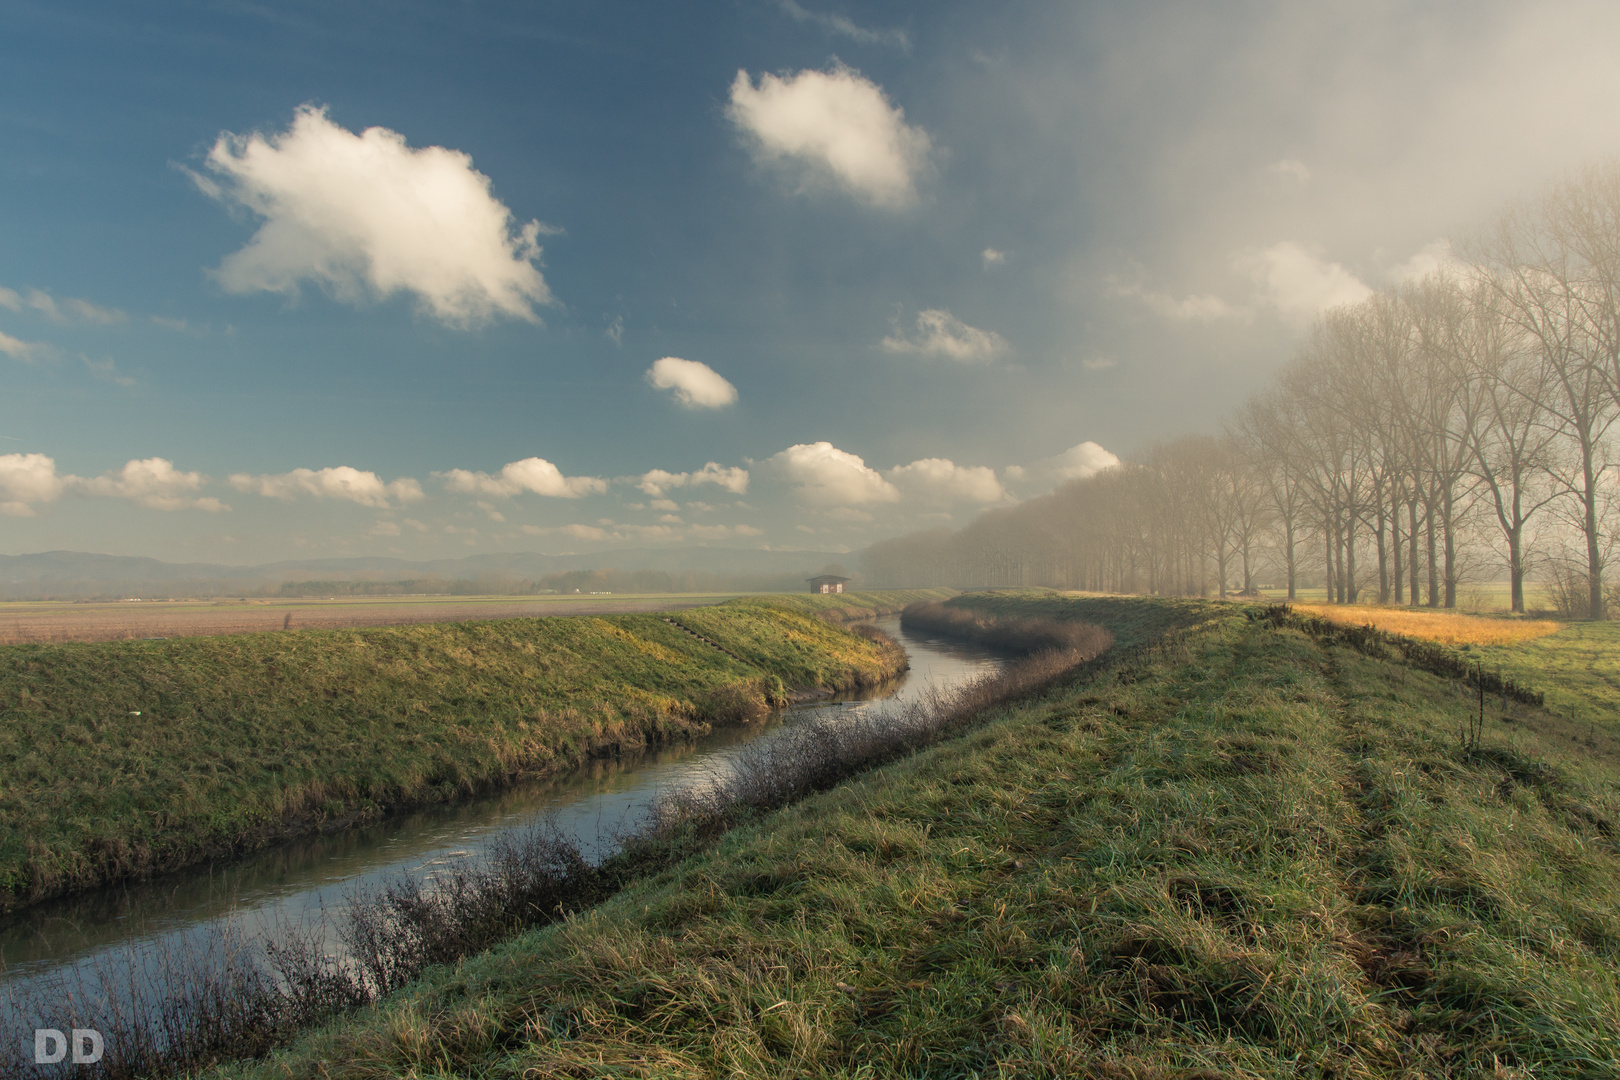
(1444, 627)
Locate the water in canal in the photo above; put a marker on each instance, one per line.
(65, 943)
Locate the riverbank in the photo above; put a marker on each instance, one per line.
(123, 759)
(1241, 851)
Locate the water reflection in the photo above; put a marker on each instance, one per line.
(296, 882)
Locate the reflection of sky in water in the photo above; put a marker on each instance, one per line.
(293, 883)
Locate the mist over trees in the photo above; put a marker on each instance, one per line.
(1449, 430)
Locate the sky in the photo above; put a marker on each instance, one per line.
(296, 280)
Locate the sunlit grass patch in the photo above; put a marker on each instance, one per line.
(1448, 628)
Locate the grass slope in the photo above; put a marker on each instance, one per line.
(120, 758)
(1237, 854)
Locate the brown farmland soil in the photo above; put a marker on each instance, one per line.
(35, 622)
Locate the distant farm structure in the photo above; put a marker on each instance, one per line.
(827, 583)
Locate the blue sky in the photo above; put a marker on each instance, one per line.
(919, 259)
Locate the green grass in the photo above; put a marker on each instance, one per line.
(121, 758)
(1578, 668)
(1237, 854)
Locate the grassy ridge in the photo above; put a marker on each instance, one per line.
(119, 758)
(1238, 854)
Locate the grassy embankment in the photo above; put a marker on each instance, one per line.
(123, 758)
(1239, 853)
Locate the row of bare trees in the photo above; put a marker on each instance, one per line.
(1457, 425)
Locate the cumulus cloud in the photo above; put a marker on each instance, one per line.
(532, 474)
(832, 125)
(941, 334)
(1432, 258)
(847, 27)
(696, 384)
(943, 480)
(368, 216)
(341, 482)
(657, 482)
(824, 475)
(1299, 283)
(993, 258)
(154, 483)
(25, 481)
(1079, 462)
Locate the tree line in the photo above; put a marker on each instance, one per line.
(1451, 429)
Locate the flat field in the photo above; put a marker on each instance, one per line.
(1237, 853)
(124, 758)
(37, 622)
(1448, 628)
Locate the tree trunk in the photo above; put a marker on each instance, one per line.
(1288, 543)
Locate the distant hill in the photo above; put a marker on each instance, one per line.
(80, 574)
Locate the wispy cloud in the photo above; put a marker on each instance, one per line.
(61, 311)
(847, 27)
(941, 334)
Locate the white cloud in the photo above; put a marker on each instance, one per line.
(993, 258)
(532, 474)
(152, 482)
(824, 475)
(17, 350)
(60, 310)
(107, 371)
(369, 216)
(833, 125)
(1432, 258)
(942, 479)
(1299, 283)
(1290, 169)
(1099, 363)
(842, 24)
(1197, 308)
(27, 479)
(696, 384)
(657, 482)
(939, 333)
(341, 482)
(1079, 462)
